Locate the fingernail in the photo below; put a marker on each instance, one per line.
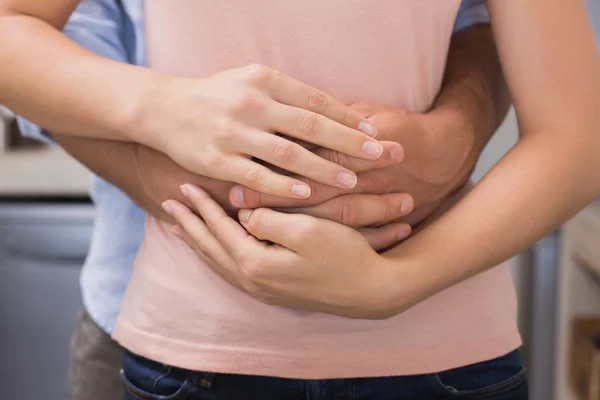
(404, 233)
(396, 154)
(346, 179)
(367, 129)
(406, 207)
(167, 207)
(237, 196)
(176, 230)
(301, 191)
(244, 215)
(372, 149)
(185, 190)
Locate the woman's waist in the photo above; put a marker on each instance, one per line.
(174, 294)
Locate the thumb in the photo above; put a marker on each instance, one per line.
(393, 153)
(386, 236)
(293, 231)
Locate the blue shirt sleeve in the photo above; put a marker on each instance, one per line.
(102, 27)
(471, 13)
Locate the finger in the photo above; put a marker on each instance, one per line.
(393, 153)
(386, 236)
(226, 231)
(193, 231)
(243, 197)
(203, 243)
(364, 108)
(260, 178)
(317, 129)
(292, 231)
(295, 158)
(292, 92)
(357, 210)
(227, 268)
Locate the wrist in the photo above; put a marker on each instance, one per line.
(144, 122)
(453, 137)
(396, 287)
(147, 161)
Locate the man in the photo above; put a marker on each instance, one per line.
(472, 104)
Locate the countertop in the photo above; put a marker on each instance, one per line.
(37, 170)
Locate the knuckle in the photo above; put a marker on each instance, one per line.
(317, 100)
(369, 180)
(253, 271)
(308, 122)
(253, 175)
(315, 189)
(257, 73)
(349, 117)
(284, 151)
(211, 159)
(257, 222)
(391, 210)
(338, 158)
(212, 225)
(246, 101)
(347, 214)
(385, 181)
(224, 132)
(306, 230)
(261, 293)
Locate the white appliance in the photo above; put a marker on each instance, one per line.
(42, 249)
(45, 230)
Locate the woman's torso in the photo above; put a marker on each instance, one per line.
(179, 312)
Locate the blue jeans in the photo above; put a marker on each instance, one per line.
(500, 379)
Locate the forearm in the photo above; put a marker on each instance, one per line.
(116, 162)
(526, 195)
(474, 98)
(54, 82)
(147, 176)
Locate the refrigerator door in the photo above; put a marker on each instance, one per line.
(42, 249)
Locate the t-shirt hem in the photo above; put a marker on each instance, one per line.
(306, 365)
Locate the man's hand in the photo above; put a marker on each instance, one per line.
(429, 172)
(160, 179)
(150, 177)
(441, 146)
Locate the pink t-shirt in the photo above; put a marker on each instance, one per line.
(177, 311)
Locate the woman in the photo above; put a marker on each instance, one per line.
(182, 314)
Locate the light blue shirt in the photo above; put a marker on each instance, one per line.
(115, 29)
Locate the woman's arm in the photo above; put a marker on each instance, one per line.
(60, 85)
(209, 126)
(552, 67)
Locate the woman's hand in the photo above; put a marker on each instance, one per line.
(214, 126)
(313, 264)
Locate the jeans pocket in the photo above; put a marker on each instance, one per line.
(484, 380)
(148, 380)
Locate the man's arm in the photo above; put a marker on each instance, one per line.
(471, 104)
(147, 176)
(66, 88)
(100, 26)
(474, 100)
(441, 147)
